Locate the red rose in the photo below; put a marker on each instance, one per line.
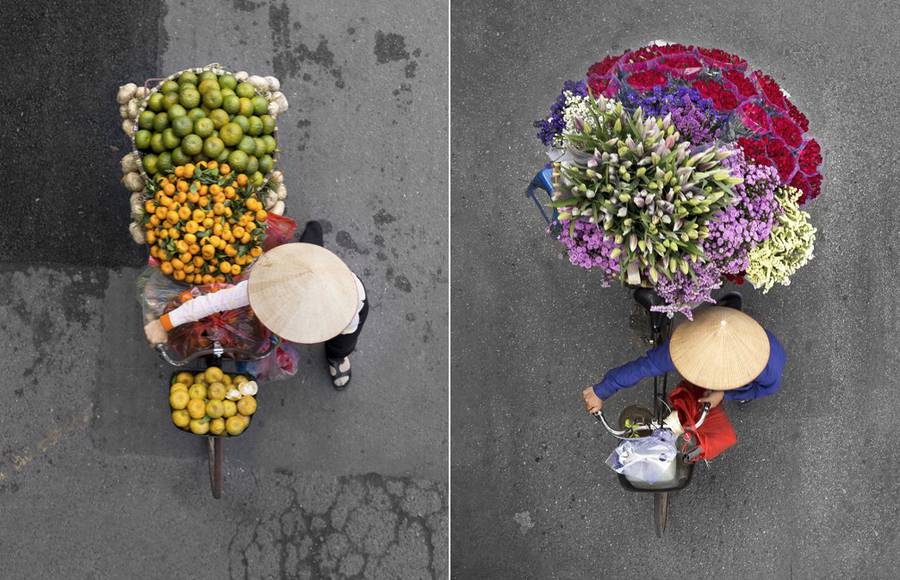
(600, 69)
(755, 118)
(720, 59)
(646, 80)
(796, 115)
(781, 157)
(722, 98)
(810, 157)
(597, 85)
(742, 84)
(770, 89)
(754, 150)
(683, 66)
(787, 130)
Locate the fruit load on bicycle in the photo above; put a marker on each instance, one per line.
(204, 117)
(212, 402)
(675, 168)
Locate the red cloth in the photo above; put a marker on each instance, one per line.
(716, 434)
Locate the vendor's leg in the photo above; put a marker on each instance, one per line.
(731, 300)
(312, 233)
(339, 348)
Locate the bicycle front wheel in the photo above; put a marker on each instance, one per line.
(660, 512)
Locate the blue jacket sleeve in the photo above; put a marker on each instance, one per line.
(656, 362)
(769, 380)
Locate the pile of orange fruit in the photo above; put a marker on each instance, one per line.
(204, 223)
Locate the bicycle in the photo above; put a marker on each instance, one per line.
(215, 356)
(635, 421)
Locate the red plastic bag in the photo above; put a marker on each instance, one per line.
(279, 230)
(237, 329)
(282, 364)
(716, 434)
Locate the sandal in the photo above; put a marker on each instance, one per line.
(339, 369)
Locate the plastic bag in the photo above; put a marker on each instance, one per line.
(281, 364)
(716, 434)
(156, 291)
(647, 460)
(279, 230)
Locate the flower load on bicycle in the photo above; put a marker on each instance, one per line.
(675, 168)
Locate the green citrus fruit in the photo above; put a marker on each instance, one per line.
(227, 82)
(252, 164)
(246, 108)
(149, 163)
(189, 98)
(192, 145)
(260, 104)
(268, 124)
(170, 99)
(245, 89)
(204, 127)
(227, 92)
(207, 85)
(271, 145)
(156, 143)
(160, 122)
(145, 120)
(196, 113)
(260, 146)
(164, 163)
(169, 87)
(179, 157)
(213, 146)
(231, 134)
(219, 117)
(231, 103)
(212, 99)
(266, 163)
(247, 145)
(238, 161)
(170, 139)
(223, 156)
(156, 102)
(256, 126)
(142, 139)
(176, 110)
(208, 74)
(187, 77)
(257, 179)
(243, 122)
(182, 126)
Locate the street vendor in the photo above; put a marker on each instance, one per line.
(299, 291)
(722, 350)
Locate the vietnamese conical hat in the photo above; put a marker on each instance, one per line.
(721, 349)
(303, 293)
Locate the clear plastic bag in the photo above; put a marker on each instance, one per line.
(648, 460)
(281, 364)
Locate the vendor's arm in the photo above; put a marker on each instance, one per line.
(656, 362)
(769, 380)
(193, 310)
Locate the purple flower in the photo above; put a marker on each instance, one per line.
(694, 117)
(551, 127)
(589, 247)
(684, 292)
(748, 221)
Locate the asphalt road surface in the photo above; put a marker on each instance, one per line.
(95, 482)
(811, 489)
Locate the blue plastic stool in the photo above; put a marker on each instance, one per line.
(542, 181)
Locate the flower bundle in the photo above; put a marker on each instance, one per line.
(676, 167)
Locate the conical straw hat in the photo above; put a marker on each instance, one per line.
(721, 349)
(303, 292)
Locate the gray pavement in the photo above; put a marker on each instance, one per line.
(95, 482)
(811, 490)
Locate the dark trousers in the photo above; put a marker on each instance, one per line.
(343, 344)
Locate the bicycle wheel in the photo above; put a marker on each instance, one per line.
(216, 465)
(660, 512)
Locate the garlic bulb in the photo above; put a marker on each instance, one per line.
(241, 75)
(128, 126)
(281, 191)
(233, 395)
(130, 163)
(259, 82)
(278, 208)
(133, 181)
(137, 234)
(141, 92)
(278, 176)
(271, 199)
(249, 388)
(123, 111)
(126, 92)
(273, 109)
(273, 83)
(134, 107)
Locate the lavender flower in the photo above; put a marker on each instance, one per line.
(684, 292)
(551, 127)
(694, 116)
(589, 247)
(748, 222)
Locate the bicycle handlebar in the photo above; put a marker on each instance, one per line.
(218, 351)
(622, 433)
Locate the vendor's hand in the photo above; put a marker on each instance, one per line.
(155, 332)
(592, 403)
(712, 397)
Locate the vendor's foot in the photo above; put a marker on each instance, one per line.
(339, 369)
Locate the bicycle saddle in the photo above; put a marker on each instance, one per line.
(647, 297)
